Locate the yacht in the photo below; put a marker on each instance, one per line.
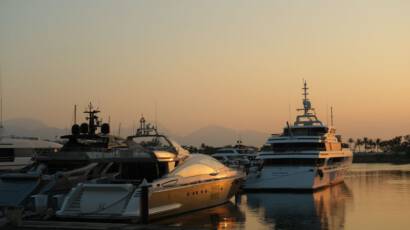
(308, 155)
(236, 156)
(54, 173)
(18, 152)
(180, 182)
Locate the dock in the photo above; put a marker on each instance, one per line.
(66, 225)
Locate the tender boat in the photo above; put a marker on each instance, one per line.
(307, 155)
(55, 173)
(180, 182)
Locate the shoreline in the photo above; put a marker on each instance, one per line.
(393, 158)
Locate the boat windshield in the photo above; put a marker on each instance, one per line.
(154, 143)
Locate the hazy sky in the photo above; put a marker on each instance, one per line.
(238, 64)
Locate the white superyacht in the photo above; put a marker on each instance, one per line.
(308, 155)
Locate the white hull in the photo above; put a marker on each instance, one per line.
(298, 178)
(122, 201)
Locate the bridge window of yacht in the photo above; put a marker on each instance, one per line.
(303, 131)
(302, 146)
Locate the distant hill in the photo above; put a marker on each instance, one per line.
(26, 127)
(221, 136)
(210, 135)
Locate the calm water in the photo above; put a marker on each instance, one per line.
(374, 196)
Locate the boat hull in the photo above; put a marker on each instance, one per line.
(163, 202)
(295, 178)
(193, 197)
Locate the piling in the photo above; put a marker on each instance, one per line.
(144, 202)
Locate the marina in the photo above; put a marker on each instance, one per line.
(228, 114)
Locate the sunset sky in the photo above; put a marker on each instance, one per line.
(237, 64)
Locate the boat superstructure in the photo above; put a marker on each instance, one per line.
(307, 155)
(180, 182)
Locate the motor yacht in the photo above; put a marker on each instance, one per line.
(307, 155)
(54, 173)
(180, 182)
(18, 152)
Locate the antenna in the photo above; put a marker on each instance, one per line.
(109, 119)
(327, 113)
(331, 116)
(290, 113)
(305, 99)
(75, 114)
(119, 129)
(1, 100)
(156, 116)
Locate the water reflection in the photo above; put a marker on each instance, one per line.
(227, 216)
(324, 209)
(374, 196)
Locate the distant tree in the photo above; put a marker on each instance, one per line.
(365, 143)
(359, 143)
(377, 142)
(371, 145)
(393, 145)
(351, 142)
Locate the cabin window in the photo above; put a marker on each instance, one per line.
(6, 155)
(291, 162)
(194, 170)
(282, 147)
